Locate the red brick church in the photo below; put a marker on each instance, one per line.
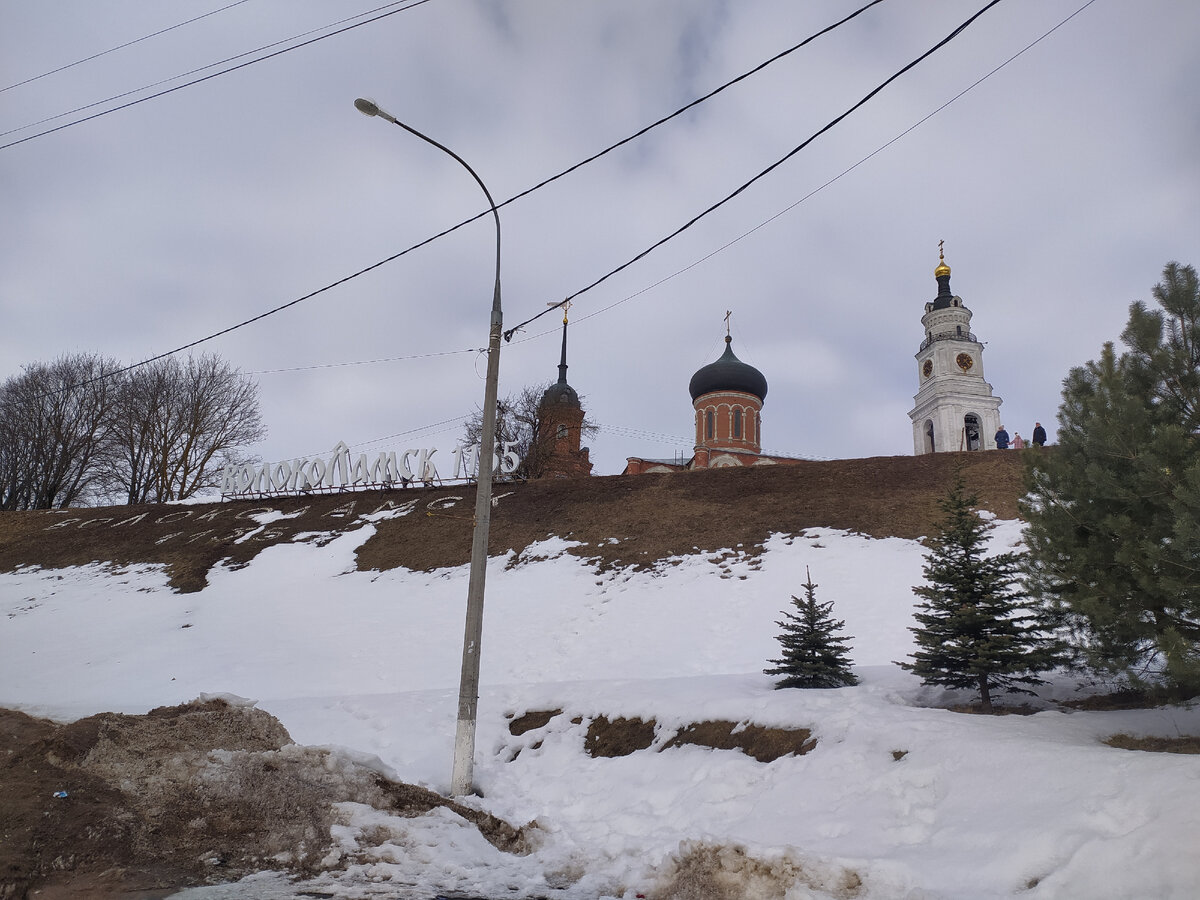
(727, 396)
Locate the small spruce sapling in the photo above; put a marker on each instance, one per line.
(976, 630)
(814, 654)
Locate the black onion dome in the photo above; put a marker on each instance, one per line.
(561, 393)
(728, 374)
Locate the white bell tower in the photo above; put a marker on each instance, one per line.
(954, 407)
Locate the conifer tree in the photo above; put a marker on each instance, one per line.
(974, 631)
(814, 654)
(1113, 512)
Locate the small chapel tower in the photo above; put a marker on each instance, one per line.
(727, 396)
(954, 407)
(561, 425)
(727, 400)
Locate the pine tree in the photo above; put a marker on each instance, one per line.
(974, 631)
(814, 655)
(1114, 512)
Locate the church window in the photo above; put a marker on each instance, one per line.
(737, 423)
(708, 425)
(562, 432)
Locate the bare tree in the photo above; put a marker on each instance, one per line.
(71, 433)
(54, 425)
(176, 425)
(519, 423)
(142, 402)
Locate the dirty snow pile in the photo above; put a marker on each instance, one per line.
(899, 799)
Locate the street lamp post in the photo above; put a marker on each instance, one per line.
(468, 688)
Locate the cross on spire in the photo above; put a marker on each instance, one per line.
(728, 313)
(566, 306)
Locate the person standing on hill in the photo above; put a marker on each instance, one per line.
(1001, 439)
(1018, 441)
(1039, 435)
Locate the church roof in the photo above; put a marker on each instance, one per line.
(728, 374)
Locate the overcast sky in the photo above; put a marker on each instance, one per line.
(1061, 185)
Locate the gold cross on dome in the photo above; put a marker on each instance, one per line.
(728, 313)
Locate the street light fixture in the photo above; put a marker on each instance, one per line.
(468, 688)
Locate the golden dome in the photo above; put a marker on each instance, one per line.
(942, 268)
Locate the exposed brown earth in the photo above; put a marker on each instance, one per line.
(1155, 744)
(652, 517)
(140, 806)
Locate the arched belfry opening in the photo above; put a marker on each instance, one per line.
(971, 432)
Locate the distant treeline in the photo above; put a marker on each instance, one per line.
(79, 430)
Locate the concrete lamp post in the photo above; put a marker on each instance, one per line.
(468, 689)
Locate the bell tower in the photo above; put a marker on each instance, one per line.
(954, 407)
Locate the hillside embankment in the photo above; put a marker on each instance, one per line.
(651, 517)
(139, 806)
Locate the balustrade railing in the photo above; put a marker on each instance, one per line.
(948, 336)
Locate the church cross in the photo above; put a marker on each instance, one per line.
(566, 307)
(728, 313)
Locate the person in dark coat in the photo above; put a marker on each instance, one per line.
(1039, 435)
(1001, 439)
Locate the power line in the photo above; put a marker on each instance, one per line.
(642, 433)
(831, 181)
(368, 362)
(179, 87)
(735, 240)
(423, 430)
(688, 224)
(465, 222)
(146, 37)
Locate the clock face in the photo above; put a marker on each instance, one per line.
(964, 361)
(927, 369)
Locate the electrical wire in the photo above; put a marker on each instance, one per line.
(642, 433)
(846, 171)
(179, 87)
(783, 211)
(722, 247)
(368, 362)
(480, 215)
(424, 430)
(771, 168)
(146, 37)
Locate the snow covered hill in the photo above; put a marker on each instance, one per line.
(900, 797)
